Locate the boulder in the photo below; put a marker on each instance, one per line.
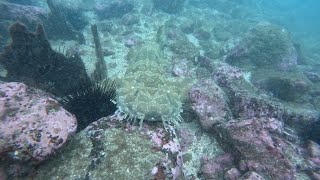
(265, 46)
(215, 168)
(33, 125)
(258, 145)
(210, 104)
(245, 100)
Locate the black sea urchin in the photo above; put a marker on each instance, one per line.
(90, 101)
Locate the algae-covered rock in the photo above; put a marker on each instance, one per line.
(258, 144)
(287, 86)
(71, 163)
(103, 152)
(265, 46)
(305, 121)
(171, 38)
(210, 104)
(146, 92)
(245, 100)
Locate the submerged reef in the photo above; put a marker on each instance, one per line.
(146, 92)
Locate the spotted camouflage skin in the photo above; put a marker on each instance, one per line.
(146, 92)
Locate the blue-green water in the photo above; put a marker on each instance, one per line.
(159, 89)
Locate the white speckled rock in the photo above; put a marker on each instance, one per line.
(32, 124)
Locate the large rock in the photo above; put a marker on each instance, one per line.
(109, 149)
(210, 104)
(33, 125)
(314, 159)
(215, 168)
(265, 46)
(306, 122)
(286, 86)
(258, 146)
(245, 101)
(114, 149)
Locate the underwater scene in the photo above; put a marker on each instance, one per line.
(159, 90)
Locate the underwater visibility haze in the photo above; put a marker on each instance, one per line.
(160, 89)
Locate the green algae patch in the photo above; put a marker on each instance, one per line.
(110, 153)
(127, 156)
(70, 163)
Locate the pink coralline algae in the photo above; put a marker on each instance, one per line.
(32, 124)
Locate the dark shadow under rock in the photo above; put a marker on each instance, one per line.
(30, 59)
